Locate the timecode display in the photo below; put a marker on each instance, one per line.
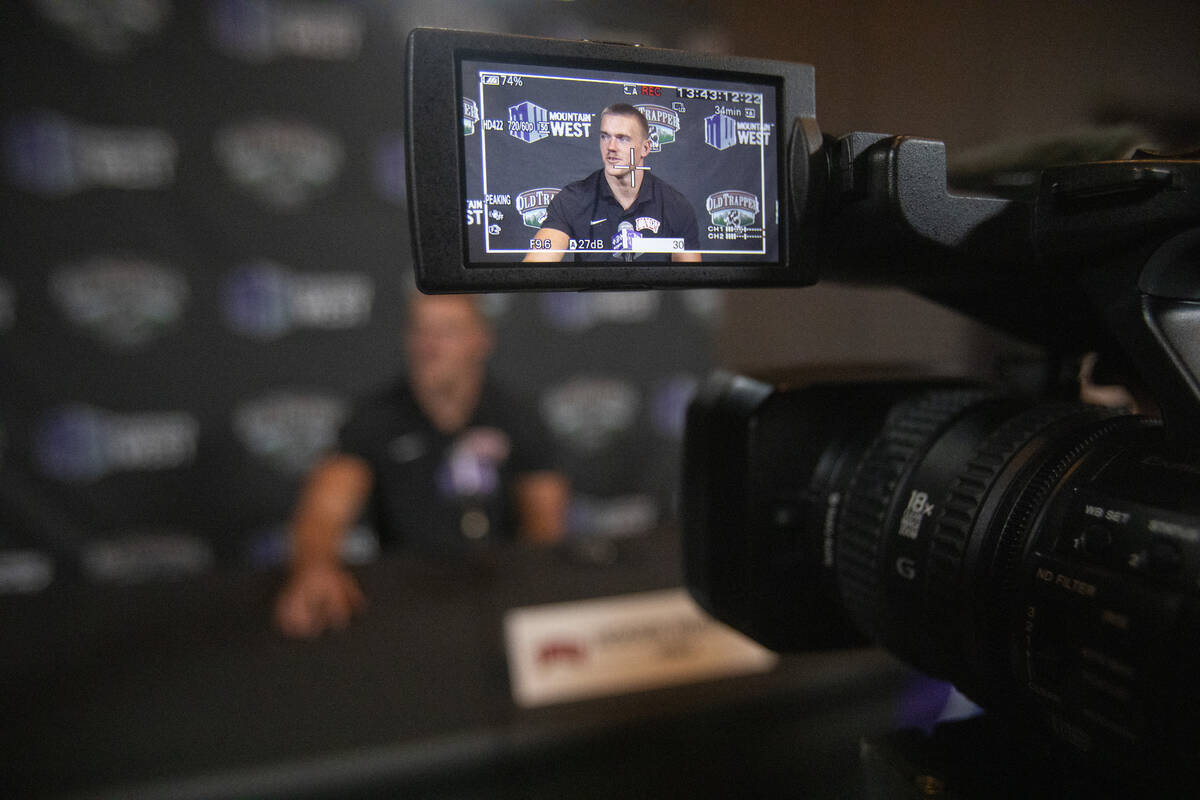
(722, 95)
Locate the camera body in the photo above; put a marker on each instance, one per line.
(1044, 556)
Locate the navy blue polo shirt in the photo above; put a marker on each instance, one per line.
(587, 211)
(438, 492)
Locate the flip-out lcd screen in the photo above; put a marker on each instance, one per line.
(563, 164)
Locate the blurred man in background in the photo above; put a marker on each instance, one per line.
(445, 461)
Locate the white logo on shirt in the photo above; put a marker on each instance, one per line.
(407, 447)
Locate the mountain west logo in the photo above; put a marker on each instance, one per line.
(530, 123)
(263, 30)
(664, 124)
(470, 116)
(265, 300)
(80, 443)
(579, 311)
(732, 208)
(722, 131)
(532, 204)
(284, 165)
(123, 302)
(52, 155)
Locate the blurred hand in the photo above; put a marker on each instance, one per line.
(317, 597)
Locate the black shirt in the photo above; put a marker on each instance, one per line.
(438, 492)
(587, 211)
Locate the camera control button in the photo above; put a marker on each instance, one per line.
(1096, 541)
(1163, 558)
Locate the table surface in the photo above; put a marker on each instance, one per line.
(183, 689)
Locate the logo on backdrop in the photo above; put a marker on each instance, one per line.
(622, 515)
(81, 443)
(137, 556)
(732, 208)
(266, 300)
(532, 205)
(284, 165)
(579, 311)
(664, 125)
(669, 404)
(495, 306)
(124, 302)
(8, 306)
(470, 116)
(265, 30)
(270, 546)
(530, 123)
(723, 130)
(49, 154)
(107, 29)
(25, 571)
(289, 429)
(389, 170)
(705, 304)
(588, 412)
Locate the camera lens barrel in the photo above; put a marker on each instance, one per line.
(993, 544)
(1045, 558)
(881, 578)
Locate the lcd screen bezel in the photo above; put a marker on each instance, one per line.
(435, 163)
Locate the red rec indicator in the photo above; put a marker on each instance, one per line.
(654, 91)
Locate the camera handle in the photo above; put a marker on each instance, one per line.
(1134, 229)
(1099, 256)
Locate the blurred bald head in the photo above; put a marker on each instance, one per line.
(447, 340)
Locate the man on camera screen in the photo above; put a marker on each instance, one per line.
(602, 216)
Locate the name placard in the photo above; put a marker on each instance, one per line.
(562, 652)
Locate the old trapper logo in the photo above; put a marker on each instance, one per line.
(283, 164)
(664, 124)
(124, 301)
(732, 208)
(470, 116)
(532, 204)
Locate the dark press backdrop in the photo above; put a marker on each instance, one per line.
(205, 257)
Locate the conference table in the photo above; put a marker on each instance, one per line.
(183, 689)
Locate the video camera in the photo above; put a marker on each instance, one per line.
(1043, 556)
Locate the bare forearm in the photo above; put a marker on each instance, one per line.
(542, 499)
(331, 501)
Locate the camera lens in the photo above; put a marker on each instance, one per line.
(1044, 558)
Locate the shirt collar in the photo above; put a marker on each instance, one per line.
(645, 193)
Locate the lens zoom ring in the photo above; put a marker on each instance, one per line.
(908, 432)
(960, 509)
(961, 505)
